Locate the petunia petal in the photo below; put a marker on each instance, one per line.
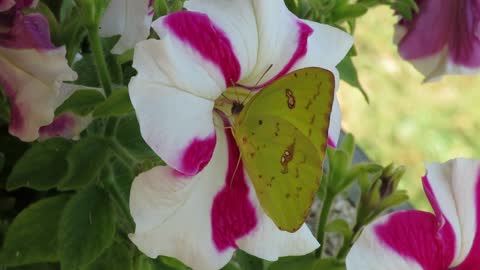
(6, 5)
(277, 28)
(451, 47)
(129, 18)
(201, 220)
(31, 80)
(187, 218)
(177, 125)
(68, 125)
(237, 21)
(402, 240)
(458, 179)
(200, 50)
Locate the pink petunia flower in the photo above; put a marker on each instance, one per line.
(448, 239)
(31, 70)
(202, 206)
(443, 38)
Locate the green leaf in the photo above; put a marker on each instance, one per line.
(87, 71)
(230, 266)
(87, 227)
(298, 263)
(42, 167)
(348, 73)
(32, 237)
(85, 161)
(117, 104)
(347, 11)
(329, 264)
(393, 200)
(36, 266)
(66, 9)
(118, 257)
(129, 137)
(247, 261)
(405, 8)
(340, 226)
(81, 102)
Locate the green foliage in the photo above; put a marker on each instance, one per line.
(85, 161)
(42, 166)
(118, 256)
(349, 74)
(87, 227)
(32, 237)
(81, 102)
(118, 104)
(247, 261)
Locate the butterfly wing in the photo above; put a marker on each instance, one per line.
(282, 136)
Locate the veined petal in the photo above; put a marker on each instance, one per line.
(220, 202)
(335, 124)
(461, 179)
(6, 5)
(237, 20)
(28, 32)
(402, 240)
(68, 125)
(451, 47)
(177, 125)
(31, 80)
(197, 219)
(129, 18)
(197, 48)
(277, 28)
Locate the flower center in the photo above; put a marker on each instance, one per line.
(233, 100)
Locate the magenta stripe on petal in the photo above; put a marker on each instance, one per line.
(28, 32)
(413, 236)
(428, 33)
(472, 261)
(331, 143)
(197, 155)
(60, 126)
(304, 31)
(233, 214)
(200, 33)
(464, 43)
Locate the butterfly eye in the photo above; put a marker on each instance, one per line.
(237, 107)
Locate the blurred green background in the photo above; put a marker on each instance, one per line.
(406, 121)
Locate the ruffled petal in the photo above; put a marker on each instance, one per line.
(402, 240)
(280, 29)
(28, 32)
(67, 125)
(6, 5)
(237, 21)
(129, 18)
(201, 220)
(451, 47)
(198, 54)
(31, 80)
(177, 125)
(458, 179)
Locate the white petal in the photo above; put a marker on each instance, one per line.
(406, 240)
(129, 18)
(327, 46)
(177, 125)
(31, 79)
(459, 179)
(237, 20)
(198, 55)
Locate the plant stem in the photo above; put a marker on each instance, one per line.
(322, 222)
(102, 69)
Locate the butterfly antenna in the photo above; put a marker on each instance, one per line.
(261, 77)
(236, 168)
